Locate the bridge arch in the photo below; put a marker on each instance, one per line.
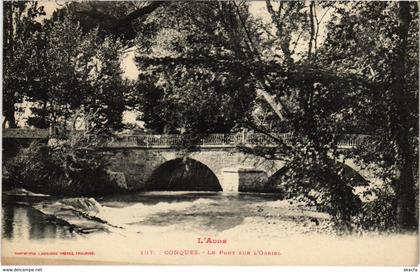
(355, 176)
(141, 165)
(183, 174)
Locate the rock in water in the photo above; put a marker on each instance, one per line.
(80, 212)
(83, 204)
(22, 192)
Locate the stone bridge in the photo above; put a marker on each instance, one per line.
(147, 159)
(143, 157)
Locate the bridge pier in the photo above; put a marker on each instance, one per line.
(230, 180)
(243, 179)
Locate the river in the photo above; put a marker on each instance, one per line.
(156, 227)
(201, 212)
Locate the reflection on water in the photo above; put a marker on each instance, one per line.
(25, 223)
(191, 211)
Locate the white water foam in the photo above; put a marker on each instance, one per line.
(138, 212)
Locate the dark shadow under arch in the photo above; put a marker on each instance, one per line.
(183, 174)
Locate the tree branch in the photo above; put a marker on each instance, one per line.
(139, 13)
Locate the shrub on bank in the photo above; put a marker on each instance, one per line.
(69, 166)
(377, 214)
(380, 213)
(28, 169)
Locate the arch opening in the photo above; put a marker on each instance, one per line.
(276, 181)
(183, 174)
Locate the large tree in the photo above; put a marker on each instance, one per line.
(379, 41)
(181, 88)
(19, 21)
(77, 74)
(223, 38)
(322, 91)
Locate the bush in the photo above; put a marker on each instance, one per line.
(28, 169)
(70, 166)
(380, 213)
(322, 184)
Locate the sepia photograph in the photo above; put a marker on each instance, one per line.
(211, 132)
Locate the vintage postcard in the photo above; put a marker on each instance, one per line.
(210, 133)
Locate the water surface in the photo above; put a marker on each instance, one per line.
(191, 211)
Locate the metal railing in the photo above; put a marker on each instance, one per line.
(174, 140)
(217, 140)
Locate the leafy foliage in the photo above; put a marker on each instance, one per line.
(380, 213)
(209, 67)
(380, 41)
(19, 24)
(190, 99)
(27, 169)
(76, 72)
(318, 93)
(70, 166)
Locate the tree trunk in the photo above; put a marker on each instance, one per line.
(270, 99)
(8, 94)
(406, 218)
(9, 114)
